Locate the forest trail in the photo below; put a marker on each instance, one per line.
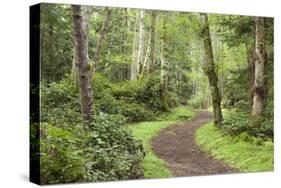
(177, 147)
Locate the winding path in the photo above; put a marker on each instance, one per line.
(177, 147)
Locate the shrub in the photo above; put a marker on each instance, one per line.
(59, 94)
(128, 90)
(107, 104)
(101, 86)
(100, 152)
(173, 100)
(235, 123)
(146, 91)
(150, 94)
(134, 112)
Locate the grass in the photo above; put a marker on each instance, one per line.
(153, 166)
(247, 156)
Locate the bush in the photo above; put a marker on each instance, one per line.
(173, 100)
(146, 91)
(102, 150)
(235, 123)
(134, 112)
(128, 90)
(150, 94)
(59, 94)
(107, 104)
(99, 152)
(101, 86)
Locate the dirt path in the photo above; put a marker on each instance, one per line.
(176, 145)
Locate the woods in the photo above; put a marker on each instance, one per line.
(111, 78)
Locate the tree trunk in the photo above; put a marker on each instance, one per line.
(81, 52)
(134, 65)
(259, 89)
(74, 71)
(164, 67)
(148, 62)
(251, 72)
(141, 43)
(209, 69)
(104, 30)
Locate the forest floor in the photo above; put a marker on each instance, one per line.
(176, 145)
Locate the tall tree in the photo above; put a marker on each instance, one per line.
(164, 66)
(150, 54)
(209, 68)
(103, 32)
(81, 55)
(141, 43)
(134, 65)
(259, 90)
(152, 42)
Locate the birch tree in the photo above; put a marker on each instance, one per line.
(134, 65)
(148, 62)
(164, 66)
(141, 43)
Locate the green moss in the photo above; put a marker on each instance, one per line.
(247, 155)
(153, 166)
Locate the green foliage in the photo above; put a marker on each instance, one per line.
(59, 94)
(101, 86)
(146, 91)
(56, 42)
(235, 123)
(173, 100)
(100, 152)
(197, 101)
(243, 152)
(134, 112)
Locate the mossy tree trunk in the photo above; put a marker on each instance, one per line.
(81, 54)
(260, 58)
(164, 66)
(209, 69)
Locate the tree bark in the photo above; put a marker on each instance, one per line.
(164, 67)
(74, 71)
(100, 43)
(148, 62)
(251, 72)
(141, 43)
(81, 54)
(259, 89)
(209, 69)
(134, 65)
